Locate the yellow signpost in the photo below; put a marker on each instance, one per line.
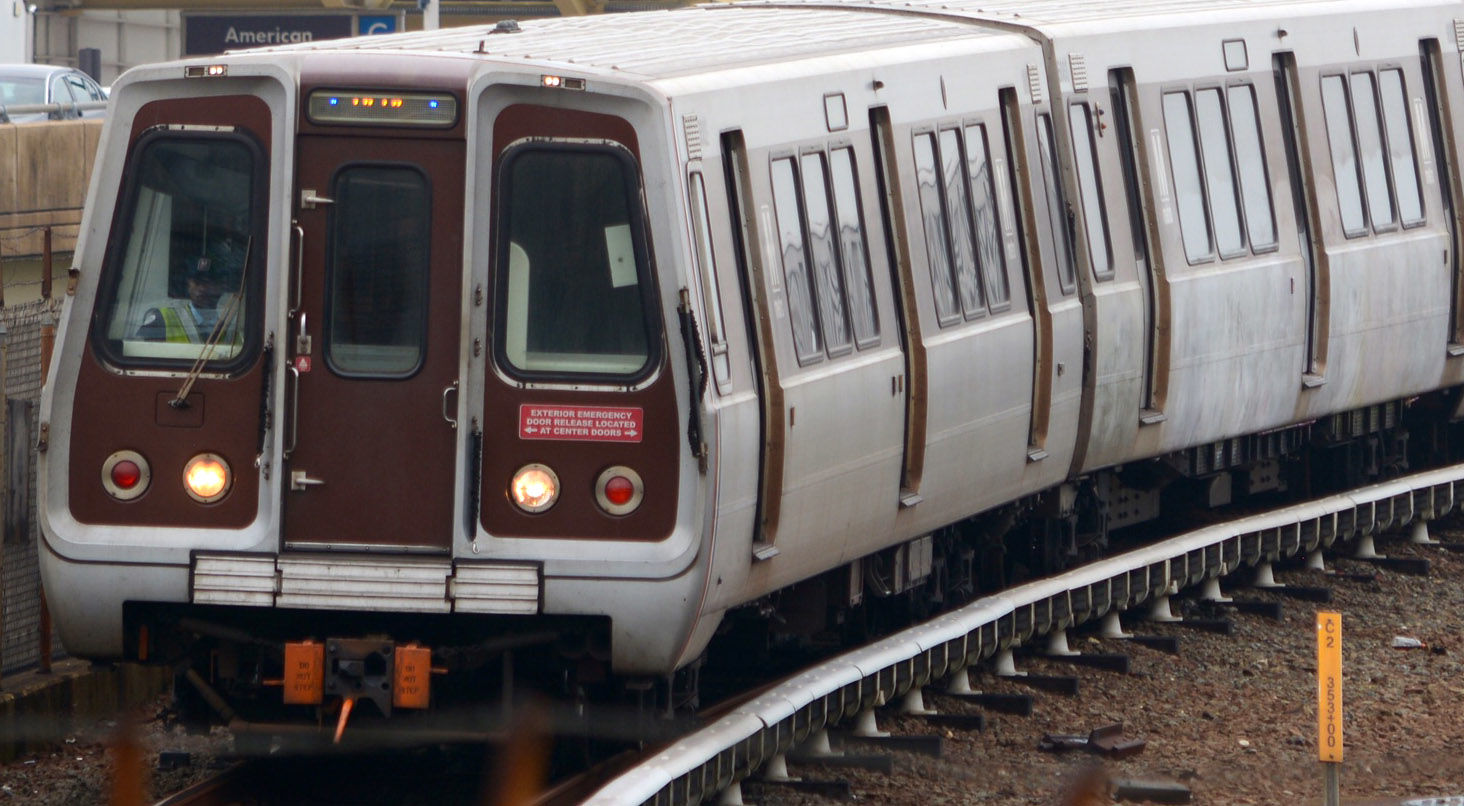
(1329, 703)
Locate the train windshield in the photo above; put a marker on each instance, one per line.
(188, 237)
(572, 274)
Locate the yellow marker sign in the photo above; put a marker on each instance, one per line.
(1329, 686)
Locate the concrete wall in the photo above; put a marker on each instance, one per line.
(44, 169)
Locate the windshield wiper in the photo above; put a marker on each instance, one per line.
(180, 401)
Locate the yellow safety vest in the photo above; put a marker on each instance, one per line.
(175, 329)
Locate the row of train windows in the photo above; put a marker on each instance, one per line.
(1219, 172)
(824, 252)
(1372, 151)
(958, 211)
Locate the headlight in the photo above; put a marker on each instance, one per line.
(619, 490)
(126, 475)
(535, 488)
(206, 478)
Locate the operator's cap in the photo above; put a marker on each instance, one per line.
(202, 269)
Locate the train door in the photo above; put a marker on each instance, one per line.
(1293, 130)
(374, 345)
(898, 254)
(1038, 300)
(1441, 129)
(1149, 264)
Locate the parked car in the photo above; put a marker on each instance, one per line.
(30, 84)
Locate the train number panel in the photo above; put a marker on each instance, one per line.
(373, 345)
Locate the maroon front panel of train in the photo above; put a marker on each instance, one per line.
(115, 412)
(577, 433)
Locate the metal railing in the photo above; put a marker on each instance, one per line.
(52, 111)
(722, 754)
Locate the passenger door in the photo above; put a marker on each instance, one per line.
(374, 345)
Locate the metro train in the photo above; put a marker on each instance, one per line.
(398, 369)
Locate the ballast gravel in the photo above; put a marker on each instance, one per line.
(1232, 718)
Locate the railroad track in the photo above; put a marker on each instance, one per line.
(753, 735)
(757, 737)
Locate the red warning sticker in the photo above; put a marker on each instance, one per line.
(581, 423)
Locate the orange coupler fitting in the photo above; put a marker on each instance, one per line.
(304, 673)
(411, 681)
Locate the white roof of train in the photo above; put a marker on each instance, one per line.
(701, 39)
(707, 38)
(1106, 15)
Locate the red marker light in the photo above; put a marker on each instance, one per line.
(619, 491)
(126, 474)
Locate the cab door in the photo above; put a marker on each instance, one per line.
(374, 345)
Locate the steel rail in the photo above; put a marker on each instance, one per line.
(724, 753)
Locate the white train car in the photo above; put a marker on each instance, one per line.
(535, 350)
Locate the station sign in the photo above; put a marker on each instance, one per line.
(208, 34)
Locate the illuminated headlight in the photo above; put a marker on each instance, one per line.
(125, 475)
(206, 478)
(535, 488)
(619, 490)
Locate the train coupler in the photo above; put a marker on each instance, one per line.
(379, 671)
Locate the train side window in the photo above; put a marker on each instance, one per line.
(958, 217)
(573, 268)
(933, 221)
(853, 247)
(186, 262)
(1184, 162)
(1090, 185)
(1056, 209)
(1250, 155)
(801, 313)
(1344, 156)
(988, 222)
(833, 312)
(1219, 175)
(1370, 143)
(376, 321)
(1400, 146)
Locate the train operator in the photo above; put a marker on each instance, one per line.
(194, 318)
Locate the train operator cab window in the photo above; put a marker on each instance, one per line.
(573, 275)
(186, 258)
(376, 322)
(825, 260)
(1224, 212)
(1371, 142)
